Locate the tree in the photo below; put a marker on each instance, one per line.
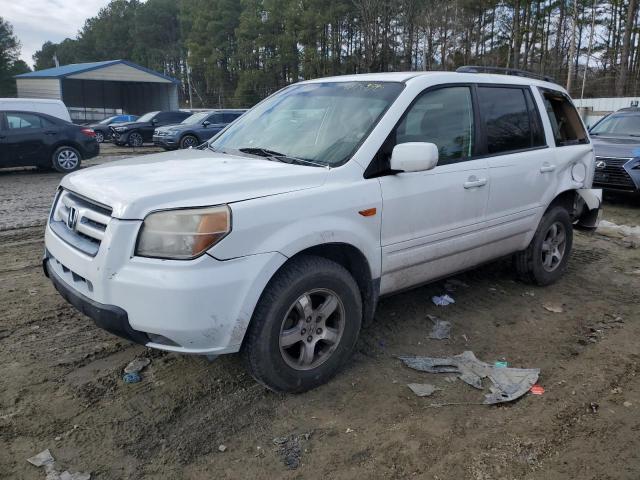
(10, 64)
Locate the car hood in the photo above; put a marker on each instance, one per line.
(616, 147)
(187, 178)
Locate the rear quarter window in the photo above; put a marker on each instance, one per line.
(565, 121)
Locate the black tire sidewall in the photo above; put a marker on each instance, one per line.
(542, 277)
(57, 166)
(264, 349)
(130, 139)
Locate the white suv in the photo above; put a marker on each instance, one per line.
(278, 237)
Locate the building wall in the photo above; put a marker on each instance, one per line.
(593, 109)
(39, 88)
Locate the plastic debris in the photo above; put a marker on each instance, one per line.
(553, 308)
(443, 300)
(441, 328)
(594, 407)
(422, 389)
(131, 377)
(46, 460)
(629, 235)
(222, 448)
(507, 383)
(137, 365)
(501, 364)
(290, 449)
(627, 404)
(537, 389)
(349, 430)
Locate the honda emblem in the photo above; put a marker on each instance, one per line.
(72, 218)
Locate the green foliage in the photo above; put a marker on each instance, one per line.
(10, 64)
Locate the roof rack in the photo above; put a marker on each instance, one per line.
(504, 71)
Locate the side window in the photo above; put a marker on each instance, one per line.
(444, 117)
(19, 120)
(565, 121)
(215, 118)
(506, 118)
(229, 117)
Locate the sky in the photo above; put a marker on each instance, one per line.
(36, 21)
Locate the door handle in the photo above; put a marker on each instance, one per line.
(547, 167)
(51, 132)
(474, 182)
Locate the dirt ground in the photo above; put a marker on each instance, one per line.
(61, 385)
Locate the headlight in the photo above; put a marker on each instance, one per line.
(120, 129)
(183, 234)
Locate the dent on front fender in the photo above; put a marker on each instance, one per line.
(589, 211)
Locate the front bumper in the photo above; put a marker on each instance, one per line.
(201, 306)
(119, 138)
(165, 141)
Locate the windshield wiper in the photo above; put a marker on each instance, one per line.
(270, 154)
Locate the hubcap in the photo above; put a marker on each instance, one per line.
(189, 142)
(99, 137)
(68, 159)
(553, 246)
(312, 328)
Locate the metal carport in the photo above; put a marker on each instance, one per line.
(92, 91)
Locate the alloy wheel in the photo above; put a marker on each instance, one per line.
(553, 246)
(68, 159)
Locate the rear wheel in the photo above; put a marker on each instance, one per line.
(135, 140)
(189, 141)
(546, 258)
(66, 159)
(99, 136)
(305, 325)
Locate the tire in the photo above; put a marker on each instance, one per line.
(135, 139)
(66, 159)
(189, 141)
(99, 136)
(304, 288)
(546, 258)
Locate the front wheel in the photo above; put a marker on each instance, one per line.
(546, 258)
(305, 325)
(135, 140)
(66, 159)
(189, 141)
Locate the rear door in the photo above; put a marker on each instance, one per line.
(27, 137)
(515, 146)
(433, 221)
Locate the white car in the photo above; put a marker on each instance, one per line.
(278, 237)
(55, 108)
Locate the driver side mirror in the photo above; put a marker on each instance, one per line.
(206, 123)
(154, 121)
(414, 157)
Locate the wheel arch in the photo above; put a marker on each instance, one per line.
(583, 206)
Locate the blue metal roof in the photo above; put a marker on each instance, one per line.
(75, 68)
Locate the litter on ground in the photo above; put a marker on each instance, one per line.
(137, 365)
(46, 460)
(441, 328)
(629, 235)
(443, 300)
(553, 308)
(507, 383)
(422, 389)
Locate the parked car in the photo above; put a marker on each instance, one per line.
(194, 130)
(616, 142)
(278, 236)
(136, 133)
(55, 108)
(44, 141)
(103, 132)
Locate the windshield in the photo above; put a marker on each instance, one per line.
(196, 118)
(107, 120)
(147, 117)
(622, 124)
(319, 122)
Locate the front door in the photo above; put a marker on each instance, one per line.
(433, 221)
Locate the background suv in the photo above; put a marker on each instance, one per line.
(136, 133)
(38, 139)
(194, 130)
(616, 142)
(103, 132)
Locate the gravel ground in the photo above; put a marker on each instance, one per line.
(61, 384)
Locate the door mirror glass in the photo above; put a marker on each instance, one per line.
(154, 121)
(414, 157)
(206, 123)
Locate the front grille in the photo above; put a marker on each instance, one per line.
(613, 174)
(79, 222)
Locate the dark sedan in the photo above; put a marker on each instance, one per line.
(103, 132)
(136, 133)
(194, 130)
(43, 141)
(616, 141)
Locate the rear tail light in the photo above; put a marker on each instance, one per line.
(88, 132)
